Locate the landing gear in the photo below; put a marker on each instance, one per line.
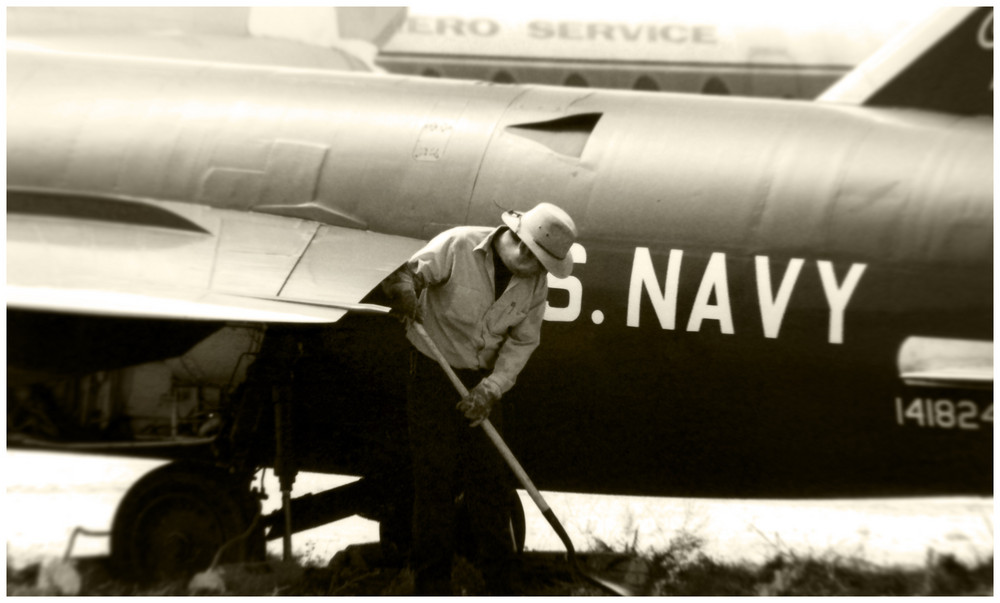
(175, 519)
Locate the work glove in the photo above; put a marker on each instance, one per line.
(406, 306)
(478, 404)
(403, 300)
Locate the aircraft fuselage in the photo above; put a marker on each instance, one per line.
(748, 270)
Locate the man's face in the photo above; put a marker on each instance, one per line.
(516, 255)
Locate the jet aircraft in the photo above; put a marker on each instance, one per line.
(772, 298)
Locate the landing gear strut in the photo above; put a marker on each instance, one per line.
(269, 384)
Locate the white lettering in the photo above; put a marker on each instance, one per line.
(772, 311)
(915, 411)
(571, 285)
(540, 29)
(942, 413)
(674, 33)
(644, 276)
(630, 33)
(967, 415)
(715, 280)
(838, 295)
(570, 30)
(483, 27)
(986, 33)
(419, 25)
(455, 25)
(595, 30)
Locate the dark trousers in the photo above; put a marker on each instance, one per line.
(452, 459)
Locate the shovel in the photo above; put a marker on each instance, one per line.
(522, 476)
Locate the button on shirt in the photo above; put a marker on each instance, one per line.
(473, 327)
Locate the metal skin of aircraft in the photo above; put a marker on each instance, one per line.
(771, 298)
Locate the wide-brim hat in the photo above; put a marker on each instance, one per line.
(549, 232)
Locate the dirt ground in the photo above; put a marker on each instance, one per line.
(360, 570)
(355, 571)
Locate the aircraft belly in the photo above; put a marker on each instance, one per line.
(743, 422)
(710, 413)
(668, 403)
(44, 346)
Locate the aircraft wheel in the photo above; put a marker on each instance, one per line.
(172, 522)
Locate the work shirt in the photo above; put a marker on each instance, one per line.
(472, 326)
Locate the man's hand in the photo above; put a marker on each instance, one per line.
(405, 305)
(403, 298)
(478, 404)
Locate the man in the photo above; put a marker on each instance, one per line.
(480, 293)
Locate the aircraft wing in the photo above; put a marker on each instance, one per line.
(155, 259)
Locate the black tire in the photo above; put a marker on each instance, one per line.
(172, 522)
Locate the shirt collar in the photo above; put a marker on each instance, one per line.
(486, 245)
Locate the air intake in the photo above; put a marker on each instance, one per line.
(566, 135)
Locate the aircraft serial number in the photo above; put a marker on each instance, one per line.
(942, 413)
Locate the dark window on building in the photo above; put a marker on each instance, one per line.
(576, 80)
(714, 86)
(431, 73)
(503, 77)
(645, 83)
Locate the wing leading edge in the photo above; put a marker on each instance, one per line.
(200, 264)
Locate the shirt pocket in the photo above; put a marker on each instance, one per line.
(465, 307)
(502, 317)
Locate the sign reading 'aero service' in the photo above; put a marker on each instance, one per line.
(675, 40)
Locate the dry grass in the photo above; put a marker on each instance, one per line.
(791, 575)
(681, 568)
